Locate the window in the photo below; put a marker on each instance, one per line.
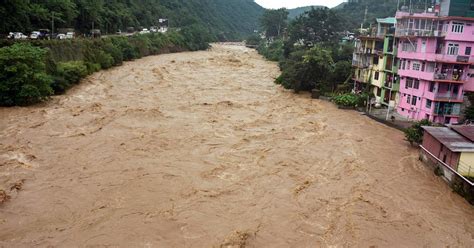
(409, 47)
(468, 51)
(432, 85)
(453, 49)
(376, 60)
(457, 27)
(428, 103)
(430, 67)
(413, 100)
(416, 84)
(423, 66)
(409, 83)
(408, 99)
(376, 75)
(379, 91)
(416, 66)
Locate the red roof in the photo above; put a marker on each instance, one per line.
(466, 131)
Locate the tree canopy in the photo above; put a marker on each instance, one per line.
(230, 19)
(274, 22)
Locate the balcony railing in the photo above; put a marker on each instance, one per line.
(447, 112)
(420, 33)
(447, 109)
(450, 77)
(448, 96)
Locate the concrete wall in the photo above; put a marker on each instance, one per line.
(440, 151)
(466, 164)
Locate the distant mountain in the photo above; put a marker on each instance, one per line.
(298, 11)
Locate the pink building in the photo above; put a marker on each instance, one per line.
(436, 65)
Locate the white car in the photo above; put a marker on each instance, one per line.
(19, 36)
(61, 37)
(145, 31)
(35, 35)
(70, 35)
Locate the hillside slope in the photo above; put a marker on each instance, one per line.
(354, 12)
(293, 13)
(228, 19)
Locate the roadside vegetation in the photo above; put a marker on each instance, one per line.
(30, 72)
(224, 20)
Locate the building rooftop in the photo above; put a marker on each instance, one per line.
(451, 139)
(388, 20)
(466, 131)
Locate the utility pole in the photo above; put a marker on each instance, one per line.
(365, 17)
(52, 25)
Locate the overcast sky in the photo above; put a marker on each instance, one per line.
(290, 4)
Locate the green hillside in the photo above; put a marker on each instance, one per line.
(354, 12)
(227, 19)
(293, 13)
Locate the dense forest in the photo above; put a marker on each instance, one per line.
(230, 19)
(293, 13)
(355, 12)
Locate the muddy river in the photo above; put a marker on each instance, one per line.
(202, 149)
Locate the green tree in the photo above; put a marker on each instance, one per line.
(23, 78)
(414, 134)
(274, 22)
(469, 112)
(305, 70)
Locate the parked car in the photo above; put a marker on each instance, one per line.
(18, 36)
(95, 33)
(61, 36)
(70, 35)
(35, 35)
(44, 34)
(153, 29)
(145, 31)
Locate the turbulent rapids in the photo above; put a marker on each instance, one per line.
(202, 149)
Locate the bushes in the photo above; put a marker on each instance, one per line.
(272, 51)
(414, 134)
(23, 78)
(350, 100)
(67, 74)
(32, 71)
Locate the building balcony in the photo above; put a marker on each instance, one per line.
(421, 14)
(405, 32)
(363, 64)
(448, 97)
(435, 57)
(447, 112)
(450, 78)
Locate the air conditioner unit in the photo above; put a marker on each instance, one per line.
(436, 33)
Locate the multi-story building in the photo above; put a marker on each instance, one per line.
(376, 64)
(435, 54)
(390, 81)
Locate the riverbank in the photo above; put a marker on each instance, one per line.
(31, 71)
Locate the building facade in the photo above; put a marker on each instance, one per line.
(435, 54)
(453, 147)
(375, 63)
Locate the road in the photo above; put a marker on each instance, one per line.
(202, 149)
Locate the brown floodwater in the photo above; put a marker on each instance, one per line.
(202, 149)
